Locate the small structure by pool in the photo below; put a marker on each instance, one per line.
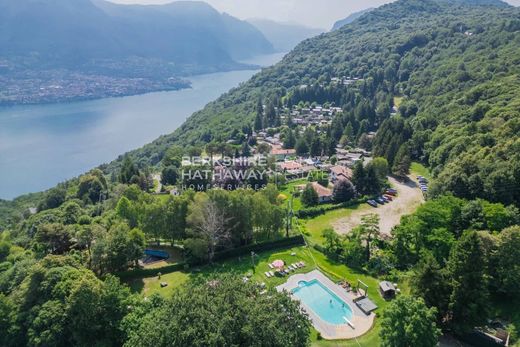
(330, 307)
(387, 289)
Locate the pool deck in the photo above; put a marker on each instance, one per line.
(361, 322)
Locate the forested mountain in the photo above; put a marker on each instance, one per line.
(436, 81)
(455, 68)
(349, 19)
(97, 35)
(284, 36)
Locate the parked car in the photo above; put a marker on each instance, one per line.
(391, 192)
(385, 198)
(380, 201)
(389, 197)
(372, 203)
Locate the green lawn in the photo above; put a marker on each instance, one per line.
(315, 226)
(419, 169)
(288, 191)
(150, 285)
(243, 266)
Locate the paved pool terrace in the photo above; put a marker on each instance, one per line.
(361, 323)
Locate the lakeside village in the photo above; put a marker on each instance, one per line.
(275, 154)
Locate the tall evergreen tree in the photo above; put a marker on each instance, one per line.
(402, 162)
(467, 271)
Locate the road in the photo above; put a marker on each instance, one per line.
(409, 197)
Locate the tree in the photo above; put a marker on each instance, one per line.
(222, 311)
(372, 182)
(119, 247)
(408, 322)
(316, 147)
(136, 245)
(169, 175)
(208, 222)
(128, 171)
(173, 156)
(92, 186)
(53, 199)
(402, 162)
(343, 191)
(431, 284)
(7, 320)
(302, 148)
(333, 241)
(55, 238)
(466, 269)
(359, 178)
(380, 166)
(258, 125)
(309, 196)
(507, 259)
(367, 231)
(175, 212)
(5, 248)
(289, 140)
(128, 211)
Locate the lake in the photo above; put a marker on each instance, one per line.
(42, 145)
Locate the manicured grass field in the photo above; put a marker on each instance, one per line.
(150, 285)
(243, 266)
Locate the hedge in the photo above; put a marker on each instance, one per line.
(319, 210)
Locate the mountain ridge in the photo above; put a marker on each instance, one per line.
(64, 33)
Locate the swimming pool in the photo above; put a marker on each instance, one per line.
(323, 302)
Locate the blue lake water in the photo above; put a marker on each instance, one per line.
(42, 145)
(327, 305)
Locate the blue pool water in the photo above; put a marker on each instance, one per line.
(327, 305)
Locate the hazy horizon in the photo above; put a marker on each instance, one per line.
(304, 12)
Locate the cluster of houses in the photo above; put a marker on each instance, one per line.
(315, 116)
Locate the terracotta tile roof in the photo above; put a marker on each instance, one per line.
(321, 190)
(341, 171)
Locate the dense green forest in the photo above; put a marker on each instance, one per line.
(436, 81)
(456, 68)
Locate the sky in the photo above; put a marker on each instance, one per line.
(313, 13)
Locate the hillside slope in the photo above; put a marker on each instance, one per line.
(349, 19)
(455, 66)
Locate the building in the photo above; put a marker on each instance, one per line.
(324, 194)
(280, 153)
(289, 165)
(387, 289)
(338, 172)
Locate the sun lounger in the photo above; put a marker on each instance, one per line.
(271, 273)
(271, 266)
(267, 274)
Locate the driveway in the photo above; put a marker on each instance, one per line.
(409, 197)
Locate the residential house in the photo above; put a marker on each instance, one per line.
(338, 172)
(324, 194)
